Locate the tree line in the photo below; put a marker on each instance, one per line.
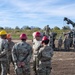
(38, 28)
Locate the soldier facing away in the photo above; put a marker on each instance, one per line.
(60, 41)
(44, 56)
(21, 54)
(47, 28)
(66, 42)
(3, 52)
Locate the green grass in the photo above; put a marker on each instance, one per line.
(30, 37)
(17, 37)
(16, 33)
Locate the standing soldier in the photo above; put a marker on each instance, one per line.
(52, 38)
(10, 46)
(60, 42)
(3, 52)
(44, 56)
(36, 46)
(51, 42)
(47, 28)
(66, 42)
(21, 54)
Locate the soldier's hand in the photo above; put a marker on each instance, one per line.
(19, 64)
(22, 64)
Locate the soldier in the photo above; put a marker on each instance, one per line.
(3, 52)
(44, 56)
(36, 46)
(10, 46)
(51, 42)
(52, 38)
(66, 42)
(47, 28)
(21, 54)
(60, 42)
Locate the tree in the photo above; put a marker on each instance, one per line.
(17, 27)
(56, 28)
(1, 28)
(37, 28)
(7, 28)
(66, 28)
(25, 27)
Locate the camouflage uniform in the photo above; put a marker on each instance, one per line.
(47, 28)
(22, 53)
(51, 41)
(52, 37)
(60, 42)
(10, 46)
(36, 46)
(66, 43)
(3, 56)
(44, 56)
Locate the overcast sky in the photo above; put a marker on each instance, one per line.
(36, 12)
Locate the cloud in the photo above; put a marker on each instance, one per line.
(44, 8)
(67, 10)
(35, 12)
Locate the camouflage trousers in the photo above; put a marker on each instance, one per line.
(3, 67)
(59, 46)
(35, 63)
(9, 62)
(66, 46)
(44, 69)
(22, 70)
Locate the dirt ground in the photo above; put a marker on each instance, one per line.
(63, 63)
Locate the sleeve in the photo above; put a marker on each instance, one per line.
(39, 56)
(14, 54)
(48, 54)
(4, 48)
(30, 54)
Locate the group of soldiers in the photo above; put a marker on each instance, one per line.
(67, 42)
(20, 54)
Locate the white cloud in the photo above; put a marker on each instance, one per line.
(37, 11)
(34, 9)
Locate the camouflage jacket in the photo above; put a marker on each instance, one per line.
(10, 46)
(45, 53)
(22, 52)
(60, 41)
(3, 49)
(36, 45)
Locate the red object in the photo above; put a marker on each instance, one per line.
(21, 64)
(37, 34)
(45, 38)
(8, 36)
(23, 36)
